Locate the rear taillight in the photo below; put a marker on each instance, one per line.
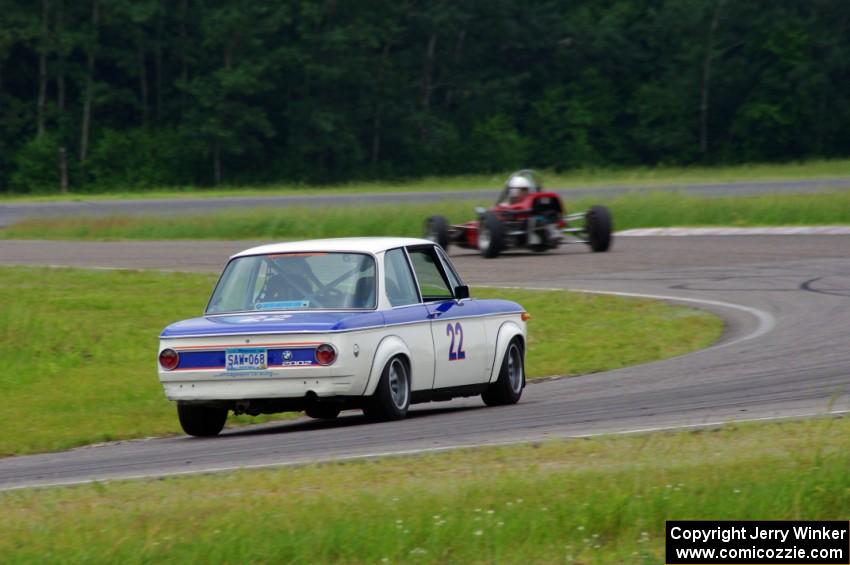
(168, 359)
(325, 354)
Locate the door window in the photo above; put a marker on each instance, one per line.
(398, 280)
(454, 279)
(432, 282)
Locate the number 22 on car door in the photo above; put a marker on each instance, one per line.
(461, 350)
(456, 352)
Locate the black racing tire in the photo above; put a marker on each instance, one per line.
(508, 387)
(599, 226)
(322, 411)
(491, 235)
(391, 398)
(201, 420)
(437, 230)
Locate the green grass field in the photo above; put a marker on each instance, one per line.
(601, 500)
(634, 176)
(658, 209)
(78, 347)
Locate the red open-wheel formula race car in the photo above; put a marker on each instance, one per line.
(524, 217)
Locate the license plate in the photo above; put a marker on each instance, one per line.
(245, 359)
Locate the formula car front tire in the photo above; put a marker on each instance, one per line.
(491, 235)
(437, 230)
(201, 420)
(508, 387)
(599, 226)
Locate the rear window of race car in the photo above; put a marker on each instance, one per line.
(296, 281)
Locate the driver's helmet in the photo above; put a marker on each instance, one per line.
(518, 187)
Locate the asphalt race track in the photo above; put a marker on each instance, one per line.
(785, 353)
(11, 212)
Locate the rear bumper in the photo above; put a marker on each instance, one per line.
(347, 376)
(261, 386)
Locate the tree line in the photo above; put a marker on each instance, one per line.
(103, 94)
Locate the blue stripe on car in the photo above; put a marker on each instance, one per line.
(215, 359)
(329, 322)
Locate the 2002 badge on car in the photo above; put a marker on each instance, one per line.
(327, 325)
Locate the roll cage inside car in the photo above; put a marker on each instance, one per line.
(274, 272)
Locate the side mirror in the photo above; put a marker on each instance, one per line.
(480, 210)
(461, 292)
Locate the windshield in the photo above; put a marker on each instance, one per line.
(296, 281)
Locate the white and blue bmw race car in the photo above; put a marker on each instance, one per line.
(327, 325)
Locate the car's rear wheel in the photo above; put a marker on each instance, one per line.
(437, 230)
(322, 411)
(491, 235)
(201, 420)
(508, 387)
(598, 225)
(392, 396)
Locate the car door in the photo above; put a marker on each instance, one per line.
(408, 317)
(457, 328)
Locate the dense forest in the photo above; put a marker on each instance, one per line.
(99, 94)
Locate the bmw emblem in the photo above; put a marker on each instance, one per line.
(287, 355)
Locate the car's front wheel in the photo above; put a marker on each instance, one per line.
(392, 397)
(201, 420)
(508, 387)
(437, 230)
(491, 235)
(599, 226)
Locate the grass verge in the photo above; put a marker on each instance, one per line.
(659, 209)
(626, 176)
(78, 347)
(601, 500)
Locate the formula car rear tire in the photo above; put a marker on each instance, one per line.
(508, 387)
(201, 420)
(437, 230)
(392, 396)
(491, 235)
(599, 226)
